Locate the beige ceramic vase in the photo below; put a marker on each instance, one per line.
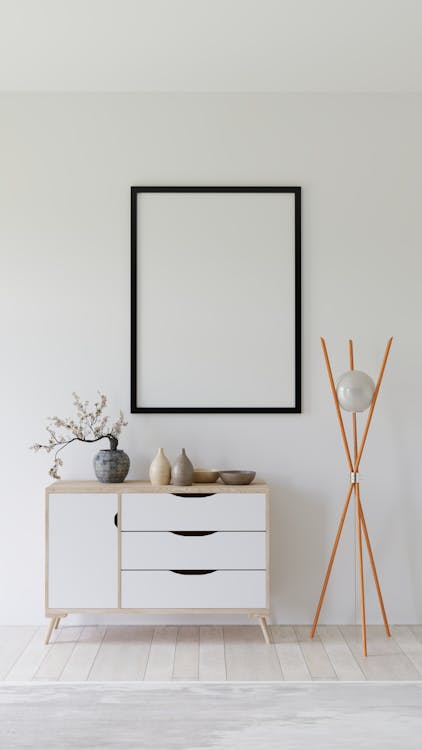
(182, 473)
(160, 469)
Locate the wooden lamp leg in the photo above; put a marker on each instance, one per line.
(372, 407)
(362, 585)
(354, 423)
(330, 564)
(374, 570)
(346, 504)
(357, 513)
(336, 404)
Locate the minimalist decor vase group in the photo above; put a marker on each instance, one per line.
(161, 473)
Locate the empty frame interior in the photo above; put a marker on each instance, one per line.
(214, 319)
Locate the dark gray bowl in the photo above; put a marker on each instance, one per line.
(237, 476)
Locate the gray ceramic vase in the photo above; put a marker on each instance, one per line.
(182, 471)
(111, 465)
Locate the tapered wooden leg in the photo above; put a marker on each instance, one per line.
(362, 584)
(330, 564)
(265, 631)
(354, 421)
(336, 404)
(374, 570)
(372, 407)
(51, 628)
(57, 623)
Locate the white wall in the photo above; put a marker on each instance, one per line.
(66, 164)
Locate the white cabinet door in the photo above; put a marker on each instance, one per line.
(82, 551)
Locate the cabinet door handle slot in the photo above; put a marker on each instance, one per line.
(193, 533)
(116, 520)
(192, 572)
(193, 494)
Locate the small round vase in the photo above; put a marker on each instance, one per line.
(111, 465)
(160, 469)
(182, 472)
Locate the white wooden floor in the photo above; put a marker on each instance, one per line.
(208, 653)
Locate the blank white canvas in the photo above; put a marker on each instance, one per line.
(216, 324)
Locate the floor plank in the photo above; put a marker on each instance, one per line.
(161, 656)
(292, 662)
(212, 663)
(83, 655)
(315, 655)
(57, 656)
(248, 657)
(417, 632)
(186, 657)
(12, 643)
(409, 643)
(339, 653)
(385, 660)
(30, 659)
(378, 644)
(123, 654)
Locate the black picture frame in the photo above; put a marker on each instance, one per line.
(135, 408)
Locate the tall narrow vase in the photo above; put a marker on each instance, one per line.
(160, 469)
(182, 472)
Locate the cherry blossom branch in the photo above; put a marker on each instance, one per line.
(90, 423)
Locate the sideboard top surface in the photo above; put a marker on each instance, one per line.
(144, 486)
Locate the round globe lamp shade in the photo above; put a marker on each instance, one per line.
(355, 390)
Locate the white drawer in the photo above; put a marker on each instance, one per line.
(235, 511)
(165, 550)
(222, 589)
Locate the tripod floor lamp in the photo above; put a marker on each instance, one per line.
(355, 392)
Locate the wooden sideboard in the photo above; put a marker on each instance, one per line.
(138, 548)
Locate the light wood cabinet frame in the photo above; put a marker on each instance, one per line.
(67, 487)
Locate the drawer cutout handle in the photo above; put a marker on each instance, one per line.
(193, 533)
(192, 572)
(192, 494)
(116, 520)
